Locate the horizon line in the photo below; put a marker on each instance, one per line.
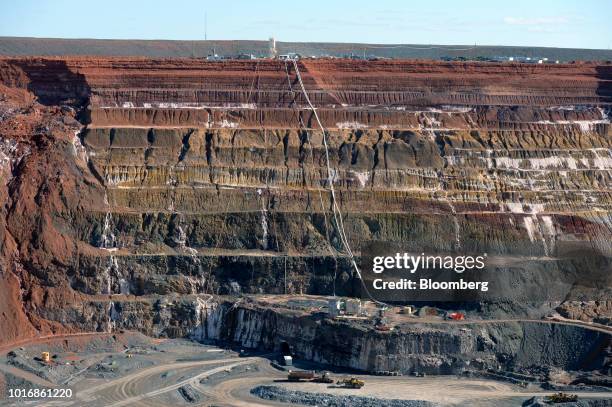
(384, 45)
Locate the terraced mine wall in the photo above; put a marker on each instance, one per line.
(130, 181)
(530, 348)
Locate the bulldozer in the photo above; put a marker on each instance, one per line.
(352, 383)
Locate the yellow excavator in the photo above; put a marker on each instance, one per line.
(352, 383)
(562, 398)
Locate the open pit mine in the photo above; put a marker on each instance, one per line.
(154, 204)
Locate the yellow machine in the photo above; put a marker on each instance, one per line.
(562, 398)
(352, 383)
(45, 357)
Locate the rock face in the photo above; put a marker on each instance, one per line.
(129, 180)
(529, 347)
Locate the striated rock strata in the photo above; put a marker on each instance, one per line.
(126, 181)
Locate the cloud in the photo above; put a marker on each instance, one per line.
(541, 29)
(536, 21)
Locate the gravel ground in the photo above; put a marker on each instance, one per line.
(541, 402)
(318, 399)
(189, 394)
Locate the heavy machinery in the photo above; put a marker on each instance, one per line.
(456, 316)
(309, 375)
(352, 383)
(297, 375)
(562, 398)
(380, 324)
(45, 357)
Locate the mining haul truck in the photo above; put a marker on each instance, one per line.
(309, 375)
(297, 375)
(324, 377)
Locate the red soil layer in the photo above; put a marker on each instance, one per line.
(341, 81)
(32, 187)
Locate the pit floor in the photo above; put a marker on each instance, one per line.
(130, 369)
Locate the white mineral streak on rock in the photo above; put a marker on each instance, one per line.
(547, 163)
(362, 177)
(124, 286)
(11, 154)
(111, 317)
(602, 160)
(528, 222)
(235, 287)
(181, 241)
(431, 122)
(515, 207)
(109, 243)
(455, 224)
(227, 124)
(537, 227)
(209, 317)
(450, 109)
(180, 105)
(7, 150)
(351, 125)
(250, 329)
(78, 149)
(585, 126)
(263, 220)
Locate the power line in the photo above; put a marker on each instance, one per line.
(323, 210)
(331, 175)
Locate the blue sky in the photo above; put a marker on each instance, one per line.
(561, 23)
